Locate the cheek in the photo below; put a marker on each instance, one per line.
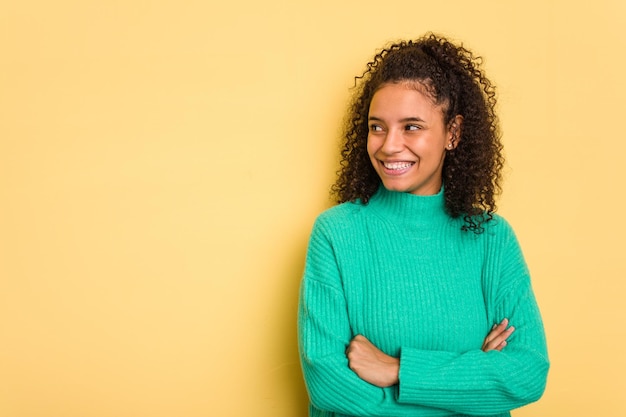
(429, 148)
(373, 144)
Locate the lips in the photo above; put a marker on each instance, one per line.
(397, 166)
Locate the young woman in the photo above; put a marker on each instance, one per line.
(416, 299)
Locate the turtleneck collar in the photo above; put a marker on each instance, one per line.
(417, 210)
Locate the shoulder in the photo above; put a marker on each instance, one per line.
(502, 243)
(497, 238)
(341, 225)
(498, 228)
(342, 216)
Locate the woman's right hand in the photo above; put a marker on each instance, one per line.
(496, 339)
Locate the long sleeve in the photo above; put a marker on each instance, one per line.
(402, 273)
(479, 383)
(324, 334)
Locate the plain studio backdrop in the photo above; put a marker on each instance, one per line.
(162, 162)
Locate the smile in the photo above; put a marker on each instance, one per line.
(397, 166)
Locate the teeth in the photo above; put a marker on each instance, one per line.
(397, 165)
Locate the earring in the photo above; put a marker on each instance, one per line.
(449, 146)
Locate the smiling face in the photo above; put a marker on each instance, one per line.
(408, 139)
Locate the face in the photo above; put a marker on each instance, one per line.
(408, 139)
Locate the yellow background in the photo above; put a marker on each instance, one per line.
(162, 162)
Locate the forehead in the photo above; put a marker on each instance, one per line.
(405, 97)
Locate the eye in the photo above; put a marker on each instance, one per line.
(376, 128)
(412, 127)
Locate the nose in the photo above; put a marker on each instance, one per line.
(394, 142)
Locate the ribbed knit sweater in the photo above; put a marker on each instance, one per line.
(402, 273)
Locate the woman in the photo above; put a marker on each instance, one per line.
(416, 299)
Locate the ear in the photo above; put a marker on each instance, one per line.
(455, 127)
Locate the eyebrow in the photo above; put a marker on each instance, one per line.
(406, 119)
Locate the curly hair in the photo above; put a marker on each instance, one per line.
(453, 77)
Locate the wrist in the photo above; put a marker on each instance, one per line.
(397, 371)
(393, 371)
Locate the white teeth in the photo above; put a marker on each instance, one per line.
(397, 165)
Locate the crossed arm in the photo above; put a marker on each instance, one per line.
(420, 382)
(374, 366)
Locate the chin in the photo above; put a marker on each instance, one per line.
(397, 188)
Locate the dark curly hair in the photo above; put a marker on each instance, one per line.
(453, 77)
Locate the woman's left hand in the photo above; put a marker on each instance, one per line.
(371, 364)
(496, 339)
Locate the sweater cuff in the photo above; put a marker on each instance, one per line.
(415, 364)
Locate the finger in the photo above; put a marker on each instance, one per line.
(498, 340)
(353, 344)
(496, 337)
(496, 332)
(496, 329)
(500, 346)
(357, 343)
(359, 337)
(502, 336)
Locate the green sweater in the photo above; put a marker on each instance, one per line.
(402, 273)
